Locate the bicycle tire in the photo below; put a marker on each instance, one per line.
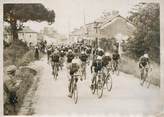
(94, 87)
(75, 94)
(56, 72)
(108, 84)
(100, 89)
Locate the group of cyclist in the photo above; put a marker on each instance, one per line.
(77, 56)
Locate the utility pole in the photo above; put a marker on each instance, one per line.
(85, 28)
(96, 30)
(68, 29)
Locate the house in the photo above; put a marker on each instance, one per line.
(76, 35)
(116, 26)
(28, 35)
(110, 26)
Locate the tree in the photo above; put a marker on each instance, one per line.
(17, 14)
(147, 36)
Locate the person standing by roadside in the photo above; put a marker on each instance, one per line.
(10, 88)
(36, 52)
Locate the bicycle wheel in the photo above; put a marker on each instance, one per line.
(75, 94)
(94, 87)
(99, 88)
(117, 70)
(55, 73)
(108, 82)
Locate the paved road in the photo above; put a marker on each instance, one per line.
(126, 97)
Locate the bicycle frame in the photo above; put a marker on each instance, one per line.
(83, 67)
(144, 74)
(115, 67)
(55, 70)
(74, 88)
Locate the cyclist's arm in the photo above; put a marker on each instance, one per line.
(92, 67)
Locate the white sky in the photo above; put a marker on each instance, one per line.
(70, 13)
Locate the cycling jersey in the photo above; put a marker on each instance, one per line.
(76, 50)
(62, 54)
(115, 56)
(70, 57)
(88, 51)
(83, 57)
(106, 60)
(144, 61)
(97, 66)
(49, 50)
(100, 53)
(55, 57)
(74, 68)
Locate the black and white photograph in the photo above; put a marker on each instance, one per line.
(82, 57)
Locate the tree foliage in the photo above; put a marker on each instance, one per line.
(147, 36)
(17, 14)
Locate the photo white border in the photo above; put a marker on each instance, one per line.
(72, 115)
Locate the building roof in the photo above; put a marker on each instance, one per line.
(27, 29)
(109, 21)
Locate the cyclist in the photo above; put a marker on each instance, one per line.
(73, 68)
(55, 60)
(106, 61)
(36, 52)
(144, 63)
(49, 52)
(100, 52)
(115, 60)
(88, 52)
(62, 54)
(76, 51)
(97, 65)
(70, 56)
(83, 57)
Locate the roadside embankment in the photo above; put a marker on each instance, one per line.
(130, 66)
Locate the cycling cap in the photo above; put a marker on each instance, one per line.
(99, 58)
(11, 69)
(146, 55)
(75, 61)
(69, 50)
(107, 54)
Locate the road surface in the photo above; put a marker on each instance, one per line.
(126, 97)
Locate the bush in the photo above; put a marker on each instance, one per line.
(14, 52)
(26, 59)
(147, 35)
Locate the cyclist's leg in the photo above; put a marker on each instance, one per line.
(52, 65)
(70, 86)
(142, 73)
(57, 68)
(85, 70)
(94, 77)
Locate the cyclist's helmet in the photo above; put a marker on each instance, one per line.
(75, 61)
(69, 50)
(83, 52)
(99, 58)
(146, 55)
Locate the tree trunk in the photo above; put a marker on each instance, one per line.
(15, 37)
(14, 30)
